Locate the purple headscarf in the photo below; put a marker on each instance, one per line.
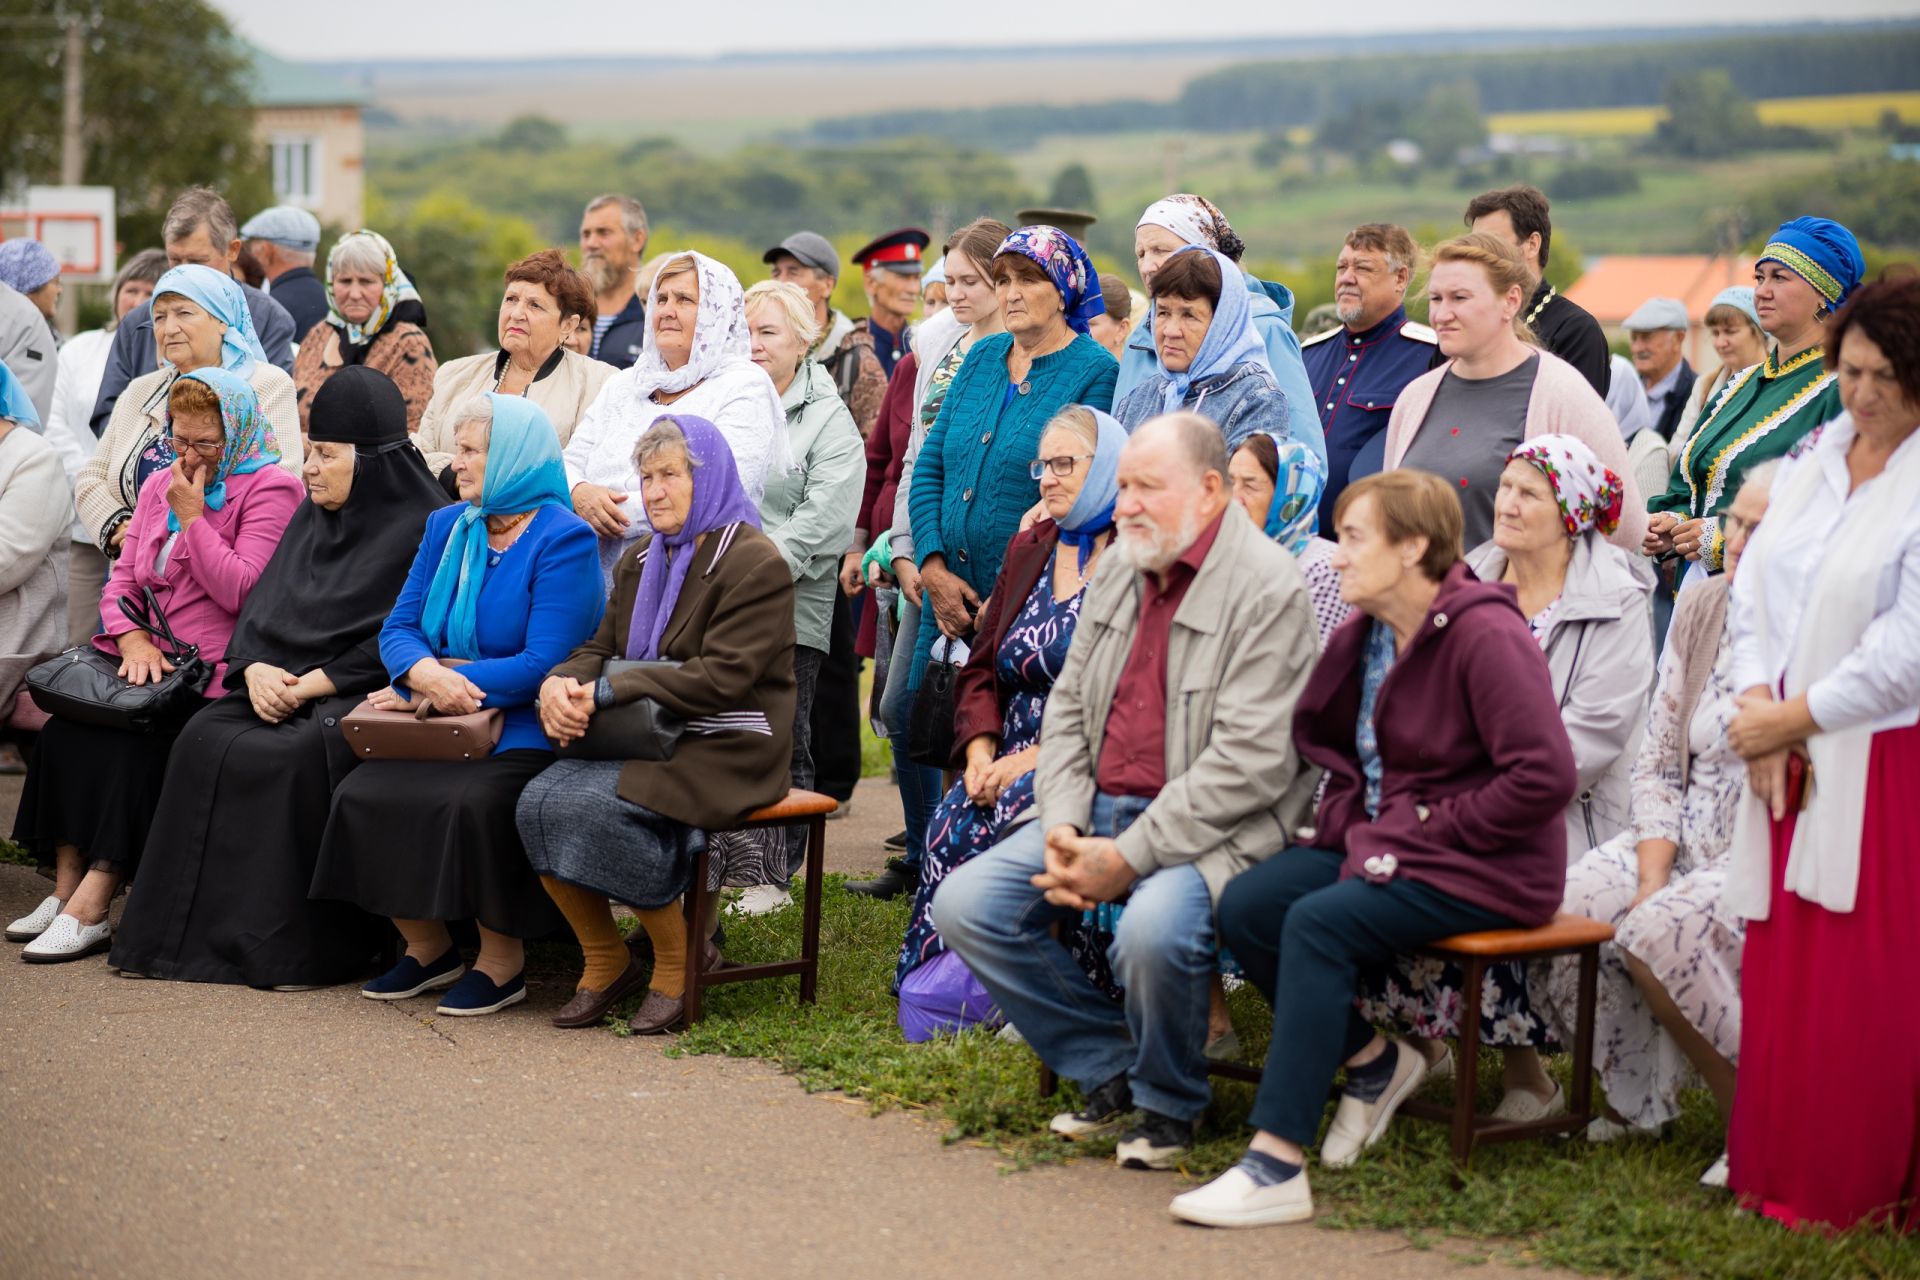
(718, 501)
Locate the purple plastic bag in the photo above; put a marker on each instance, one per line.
(941, 997)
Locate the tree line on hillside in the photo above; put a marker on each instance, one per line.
(1272, 95)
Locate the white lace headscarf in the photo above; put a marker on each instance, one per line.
(719, 331)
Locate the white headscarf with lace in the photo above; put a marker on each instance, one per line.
(723, 386)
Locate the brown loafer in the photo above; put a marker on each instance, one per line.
(589, 1007)
(657, 1013)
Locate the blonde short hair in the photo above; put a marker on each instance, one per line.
(793, 301)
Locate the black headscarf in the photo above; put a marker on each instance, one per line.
(322, 598)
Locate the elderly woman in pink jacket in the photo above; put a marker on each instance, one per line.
(201, 532)
(1497, 389)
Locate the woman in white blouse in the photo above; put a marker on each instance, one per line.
(1668, 1000)
(698, 360)
(1826, 852)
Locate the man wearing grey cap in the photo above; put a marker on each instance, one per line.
(283, 240)
(1657, 336)
(844, 349)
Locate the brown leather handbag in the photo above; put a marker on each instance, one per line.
(421, 735)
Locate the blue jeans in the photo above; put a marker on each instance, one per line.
(1163, 954)
(919, 783)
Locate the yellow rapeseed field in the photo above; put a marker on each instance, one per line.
(1837, 111)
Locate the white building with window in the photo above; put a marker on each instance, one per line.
(309, 122)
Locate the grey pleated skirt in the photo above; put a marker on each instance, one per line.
(576, 828)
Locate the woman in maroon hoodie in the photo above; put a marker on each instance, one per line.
(1448, 771)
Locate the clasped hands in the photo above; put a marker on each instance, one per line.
(1765, 731)
(436, 680)
(566, 706)
(277, 693)
(1668, 532)
(1083, 871)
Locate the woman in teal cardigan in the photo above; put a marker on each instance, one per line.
(972, 482)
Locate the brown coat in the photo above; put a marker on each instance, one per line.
(732, 631)
(402, 352)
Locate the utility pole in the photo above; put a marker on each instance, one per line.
(72, 144)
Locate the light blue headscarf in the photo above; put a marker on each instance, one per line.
(250, 440)
(1092, 511)
(1294, 516)
(14, 402)
(1231, 338)
(220, 297)
(1740, 298)
(524, 473)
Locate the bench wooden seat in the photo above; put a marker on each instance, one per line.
(1473, 952)
(799, 807)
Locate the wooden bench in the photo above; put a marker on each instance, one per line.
(810, 808)
(1473, 952)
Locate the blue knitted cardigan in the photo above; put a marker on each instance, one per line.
(970, 484)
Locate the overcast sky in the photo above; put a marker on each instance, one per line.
(424, 29)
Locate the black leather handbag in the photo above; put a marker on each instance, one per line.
(84, 685)
(930, 723)
(637, 730)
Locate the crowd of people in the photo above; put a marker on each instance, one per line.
(1650, 636)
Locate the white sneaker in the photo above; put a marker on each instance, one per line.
(1358, 1125)
(1716, 1174)
(1441, 1068)
(761, 900)
(67, 939)
(1235, 1200)
(1521, 1104)
(35, 922)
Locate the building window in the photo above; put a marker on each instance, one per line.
(296, 169)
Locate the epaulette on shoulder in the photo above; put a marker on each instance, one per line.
(1322, 336)
(1419, 333)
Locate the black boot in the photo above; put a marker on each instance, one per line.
(897, 879)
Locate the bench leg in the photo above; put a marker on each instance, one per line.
(1466, 1071)
(1049, 1082)
(696, 907)
(810, 908)
(1583, 1035)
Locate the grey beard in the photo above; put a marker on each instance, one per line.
(1348, 312)
(1160, 551)
(601, 274)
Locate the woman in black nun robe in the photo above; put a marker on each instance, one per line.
(223, 880)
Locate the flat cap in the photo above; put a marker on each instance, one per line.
(810, 249)
(1657, 313)
(284, 225)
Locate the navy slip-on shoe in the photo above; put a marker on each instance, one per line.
(476, 994)
(410, 977)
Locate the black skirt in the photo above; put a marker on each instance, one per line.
(435, 840)
(224, 880)
(95, 789)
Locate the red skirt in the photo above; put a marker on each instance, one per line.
(1826, 1114)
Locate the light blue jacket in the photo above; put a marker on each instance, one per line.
(1273, 317)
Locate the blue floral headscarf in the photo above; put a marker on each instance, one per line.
(27, 264)
(250, 443)
(1294, 515)
(1821, 252)
(1067, 265)
(524, 473)
(220, 297)
(1231, 338)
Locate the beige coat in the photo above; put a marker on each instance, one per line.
(563, 389)
(33, 557)
(103, 495)
(1241, 649)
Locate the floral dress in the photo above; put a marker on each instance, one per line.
(1682, 933)
(1030, 658)
(1423, 994)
